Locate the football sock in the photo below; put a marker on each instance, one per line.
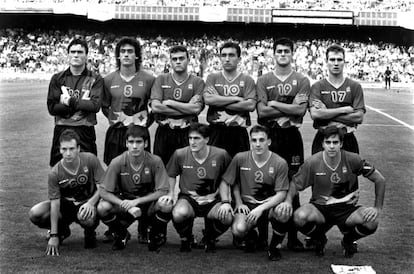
(185, 228)
(263, 228)
(292, 229)
(113, 223)
(357, 232)
(279, 231)
(214, 228)
(314, 230)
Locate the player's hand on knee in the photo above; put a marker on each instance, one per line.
(128, 204)
(254, 215)
(242, 209)
(225, 211)
(52, 248)
(284, 210)
(370, 214)
(86, 211)
(166, 200)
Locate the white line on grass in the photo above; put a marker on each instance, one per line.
(391, 117)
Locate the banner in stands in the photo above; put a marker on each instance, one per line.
(213, 14)
(331, 17)
(101, 12)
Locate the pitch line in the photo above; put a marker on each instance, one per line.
(391, 117)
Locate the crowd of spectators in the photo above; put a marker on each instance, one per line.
(45, 52)
(354, 5)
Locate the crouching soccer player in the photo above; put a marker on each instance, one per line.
(130, 189)
(332, 174)
(200, 168)
(260, 181)
(73, 194)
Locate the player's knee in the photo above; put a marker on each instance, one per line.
(180, 214)
(89, 222)
(239, 229)
(103, 208)
(300, 217)
(164, 207)
(34, 215)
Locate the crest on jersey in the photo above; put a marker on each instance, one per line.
(241, 84)
(190, 86)
(344, 169)
(294, 82)
(295, 160)
(136, 178)
(348, 89)
(214, 163)
(82, 179)
(146, 170)
(271, 170)
(140, 83)
(85, 169)
(335, 178)
(128, 91)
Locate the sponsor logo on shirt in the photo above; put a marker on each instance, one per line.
(114, 86)
(140, 83)
(165, 86)
(320, 173)
(187, 166)
(245, 168)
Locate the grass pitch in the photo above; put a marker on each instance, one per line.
(25, 139)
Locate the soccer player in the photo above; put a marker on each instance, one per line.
(73, 195)
(230, 95)
(332, 174)
(282, 102)
(130, 189)
(387, 75)
(200, 168)
(176, 101)
(336, 100)
(74, 98)
(259, 179)
(125, 102)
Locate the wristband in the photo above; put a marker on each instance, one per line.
(53, 235)
(225, 202)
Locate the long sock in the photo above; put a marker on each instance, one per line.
(357, 232)
(279, 231)
(263, 228)
(185, 228)
(315, 231)
(214, 228)
(114, 224)
(292, 229)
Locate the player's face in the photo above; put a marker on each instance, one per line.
(77, 56)
(136, 146)
(127, 55)
(179, 62)
(283, 55)
(336, 63)
(259, 143)
(332, 145)
(229, 59)
(196, 141)
(69, 150)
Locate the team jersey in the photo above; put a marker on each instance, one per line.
(198, 179)
(123, 179)
(271, 88)
(76, 186)
(127, 102)
(330, 182)
(257, 184)
(348, 94)
(165, 88)
(242, 86)
(85, 91)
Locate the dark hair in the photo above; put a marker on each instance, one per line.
(68, 135)
(260, 128)
(333, 130)
(179, 48)
(78, 41)
(202, 129)
(335, 48)
(129, 41)
(231, 44)
(137, 131)
(283, 41)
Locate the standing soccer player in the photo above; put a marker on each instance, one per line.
(230, 95)
(73, 194)
(176, 101)
(200, 168)
(130, 189)
(125, 101)
(282, 102)
(74, 98)
(332, 174)
(336, 100)
(259, 179)
(387, 75)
